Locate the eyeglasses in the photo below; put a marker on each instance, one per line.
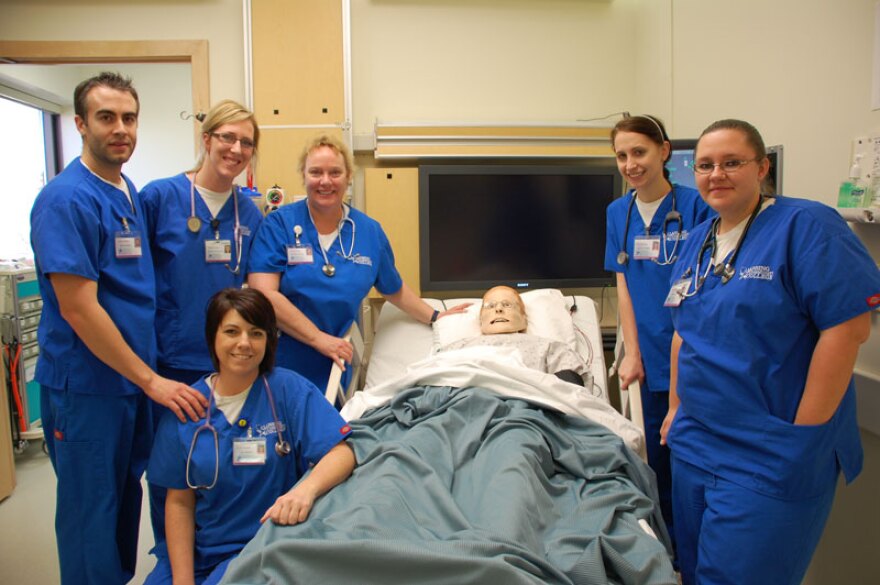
(728, 166)
(230, 139)
(503, 304)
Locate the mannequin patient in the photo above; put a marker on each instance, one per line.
(503, 323)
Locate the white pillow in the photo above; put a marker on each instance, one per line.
(546, 314)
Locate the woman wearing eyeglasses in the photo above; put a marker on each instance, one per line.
(200, 230)
(241, 465)
(770, 303)
(645, 231)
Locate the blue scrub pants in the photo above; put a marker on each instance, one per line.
(99, 447)
(161, 574)
(157, 493)
(655, 405)
(731, 535)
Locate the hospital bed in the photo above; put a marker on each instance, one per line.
(473, 469)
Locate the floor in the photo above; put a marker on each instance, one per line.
(27, 549)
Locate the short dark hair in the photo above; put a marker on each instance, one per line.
(255, 308)
(753, 137)
(649, 126)
(109, 79)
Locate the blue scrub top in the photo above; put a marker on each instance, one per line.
(228, 515)
(74, 223)
(647, 281)
(184, 280)
(747, 346)
(331, 303)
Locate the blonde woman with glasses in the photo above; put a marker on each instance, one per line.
(200, 229)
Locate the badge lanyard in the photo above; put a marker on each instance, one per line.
(219, 250)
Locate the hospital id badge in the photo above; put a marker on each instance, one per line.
(646, 248)
(128, 245)
(677, 292)
(299, 255)
(249, 451)
(218, 251)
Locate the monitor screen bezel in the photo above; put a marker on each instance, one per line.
(605, 167)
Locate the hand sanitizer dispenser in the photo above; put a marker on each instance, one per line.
(854, 192)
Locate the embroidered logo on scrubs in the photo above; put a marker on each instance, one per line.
(756, 272)
(676, 235)
(268, 429)
(873, 300)
(365, 260)
(345, 429)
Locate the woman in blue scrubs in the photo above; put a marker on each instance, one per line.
(200, 229)
(762, 414)
(318, 258)
(645, 231)
(267, 427)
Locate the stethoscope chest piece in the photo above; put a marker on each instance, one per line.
(193, 224)
(328, 269)
(282, 448)
(622, 258)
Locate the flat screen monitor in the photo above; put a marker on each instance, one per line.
(523, 226)
(681, 163)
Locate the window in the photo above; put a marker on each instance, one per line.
(29, 161)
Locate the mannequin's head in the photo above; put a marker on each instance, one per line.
(503, 311)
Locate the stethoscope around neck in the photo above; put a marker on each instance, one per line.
(726, 270)
(194, 224)
(328, 268)
(282, 447)
(672, 215)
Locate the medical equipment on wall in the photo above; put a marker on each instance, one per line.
(282, 447)
(726, 270)
(20, 310)
(672, 216)
(274, 199)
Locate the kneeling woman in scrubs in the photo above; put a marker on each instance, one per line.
(237, 468)
(770, 302)
(318, 258)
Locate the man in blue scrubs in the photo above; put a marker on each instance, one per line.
(97, 347)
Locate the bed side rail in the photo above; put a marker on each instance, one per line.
(334, 389)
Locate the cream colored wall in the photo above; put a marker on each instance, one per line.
(491, 61)
(800, 71)
(218, 21)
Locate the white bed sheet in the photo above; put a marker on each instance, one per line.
(401, 341)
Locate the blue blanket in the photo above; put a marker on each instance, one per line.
(459, 486)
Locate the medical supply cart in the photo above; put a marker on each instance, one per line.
(20, 309)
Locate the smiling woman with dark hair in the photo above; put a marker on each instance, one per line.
(241, 466)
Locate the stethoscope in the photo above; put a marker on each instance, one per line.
(328, 269)
(194, 224)
(282, 447)
(673, 215)
(726, 271)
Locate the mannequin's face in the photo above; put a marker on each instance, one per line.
(502, 312)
